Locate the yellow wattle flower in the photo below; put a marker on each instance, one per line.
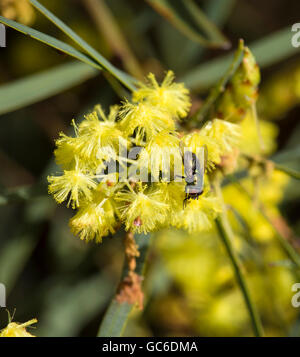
(197, 140)
(75, 184)
(161, 154)
(98, 138)
(144, 120)
(142, 211)
(65, 151)
(173, 194)
(94, 219)
(173, 97)
(15, 329)
(224, 133)
(97, 135)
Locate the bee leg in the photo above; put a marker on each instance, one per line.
(185, 201)
(182, 177)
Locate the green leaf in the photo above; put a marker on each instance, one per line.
(287, 155)
(117, 315)
(167, 9)
(20, 194)
(15, 253)
(206, 24)
(105, 64)
(225, 233)
(50, 41)
(115, 319)
(219, 10)
(37, 87)
(68, 306)
(14, 256)
(269, 50)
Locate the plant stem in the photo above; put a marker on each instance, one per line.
(226, 236)
(112, 32)
(287, 247)
(124, 78)
(117, 314)
(292, 173)
(169, 10)
(206, 24)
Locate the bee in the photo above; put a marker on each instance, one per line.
(194, 169)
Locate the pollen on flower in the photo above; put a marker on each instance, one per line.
(173, 97)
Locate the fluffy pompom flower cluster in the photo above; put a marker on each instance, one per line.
(143, 191)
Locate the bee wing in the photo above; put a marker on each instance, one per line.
(201, 159)
(188, 166)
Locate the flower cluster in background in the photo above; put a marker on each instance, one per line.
(280, 93)
(19, 10)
